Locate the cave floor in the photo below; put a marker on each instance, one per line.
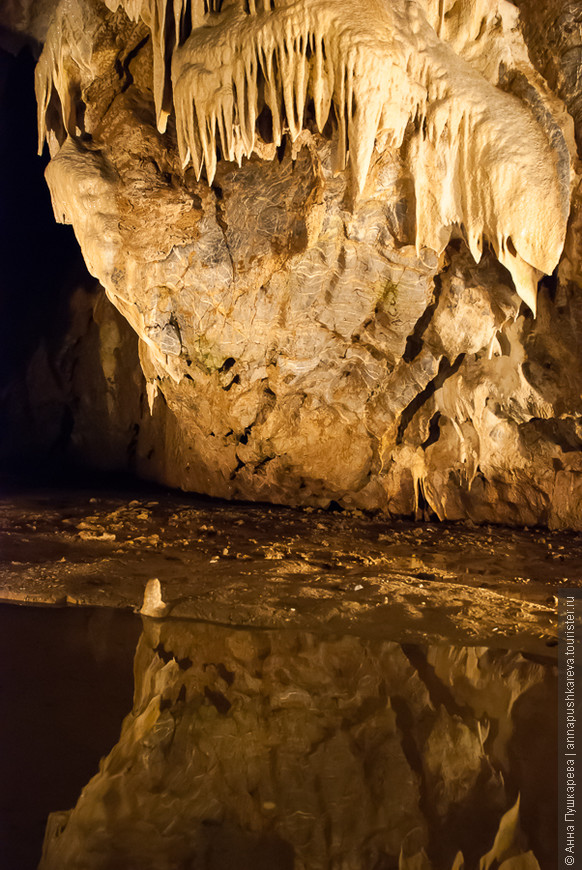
(268, 566)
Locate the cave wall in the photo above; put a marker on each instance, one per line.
(345, 315)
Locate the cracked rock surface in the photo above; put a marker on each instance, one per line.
(298, 345)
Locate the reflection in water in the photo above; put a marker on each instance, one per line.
(286, 750)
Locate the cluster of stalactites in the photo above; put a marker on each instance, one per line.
(284, 69)
(479, 157)
(231, 60)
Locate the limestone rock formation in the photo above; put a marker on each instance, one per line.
(25, 22)
(288, 750)
(80, 401)
(322, 226)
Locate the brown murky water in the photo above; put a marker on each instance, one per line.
(278, 619)
(271, 748)
(66, 681)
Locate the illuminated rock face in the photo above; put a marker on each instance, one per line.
(320, 225)
(281, 749)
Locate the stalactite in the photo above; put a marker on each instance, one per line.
(479, 158)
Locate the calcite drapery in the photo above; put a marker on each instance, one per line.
(479, 158)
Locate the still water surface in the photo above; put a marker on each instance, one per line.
(279, 748)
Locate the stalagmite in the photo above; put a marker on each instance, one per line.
(153, 602)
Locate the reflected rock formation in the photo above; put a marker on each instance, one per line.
(294, 751)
